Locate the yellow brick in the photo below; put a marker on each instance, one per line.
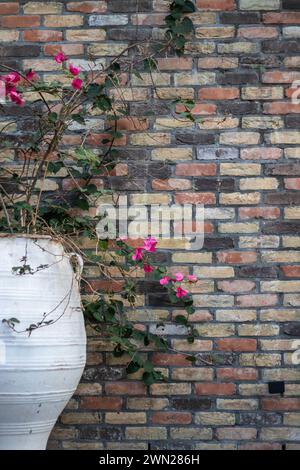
(194, 258)
(215, 272)
(240, 169)
(147, 403)
(280, 286)
(263, 241)
(238, 48)
(147, 315)
(148, 198)
(218, 63)
(260, 359)
(239, 227)
(7, 127)
(282, 315)
(42, 8)
(125, 418)
(63, 21)
(41, 65)
(198, 345)
(283, 137)
(237, 404)
(175, 93)
(215, 32)
(147, 79)
(281, 374)
(215, 331)
(173, 154)
(263, 93)
(81, 418)
(213, 300)
(236, 315)
(154, 139)
(292, 213)
(47, 185)
(192, 374)
(293, 152)
(194, 78)
(291, 242)
(258, 183)
(199, 48)
(240, 198)
(85, 35)
(240, 138)
(258, 330)
(214, 418)
(170, 389)
(280, 256)
(129, 94)
(9, 36)
(262, 122)
(109, 49)
(167, 123)
(221, 122)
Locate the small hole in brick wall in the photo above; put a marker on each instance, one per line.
(276, 387)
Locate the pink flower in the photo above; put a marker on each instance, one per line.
(9, 88)
(164, 281)
(138, 254)
(77, 84)
(60, 58)
(12, 77)
(150, 244)
(148, 268)
(180, 292)
(192, 278)
(179, 277)
(31, 75)
(74, 70)
(16, 98)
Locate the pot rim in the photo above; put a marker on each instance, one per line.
(25, 235)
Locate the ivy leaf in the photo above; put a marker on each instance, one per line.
(133, 367)
(181, 320)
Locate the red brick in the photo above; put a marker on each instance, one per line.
(279, 403)
(7, 8)
(20, 21)
(258, 32)
(171, 417)
(234, 344)
(215, 389)
(175, 63)
(281, 107)
(171, 184)
(216, 4)
(196, 169)
(199, 108)
(261, 153)
(240, 373)
(195, 198)
(257, 300)
(259, 212)
(87, 7)
(291, 271)
(131, 124)
(68, 49)
(236, 286)
(42, 36)
(237, 257)
(101, 403)
(125, 388)
(292, 183)
(278, 76)
(164, 359)
(105, 285)
(219, 93)
(284, 18)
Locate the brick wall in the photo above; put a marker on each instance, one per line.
(242, 162)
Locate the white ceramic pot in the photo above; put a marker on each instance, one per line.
(38, 372)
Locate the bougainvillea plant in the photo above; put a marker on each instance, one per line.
(71, 216)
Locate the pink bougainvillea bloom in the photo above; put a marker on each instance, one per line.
(138, 254)
(150, 244)
(179, 277)
(12, 77)
(60, 58)
(192, 278)
(16, 98)
(74, 70)
(77, 84)
(31, 75)
(164, 281)
(148, 268)
(180, 292)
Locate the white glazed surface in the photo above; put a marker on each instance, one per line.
(39, 372)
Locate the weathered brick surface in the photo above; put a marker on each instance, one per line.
(241, 162)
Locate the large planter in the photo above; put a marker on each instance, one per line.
(39, 372)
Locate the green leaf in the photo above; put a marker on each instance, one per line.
(181, 320)
(133, 367)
